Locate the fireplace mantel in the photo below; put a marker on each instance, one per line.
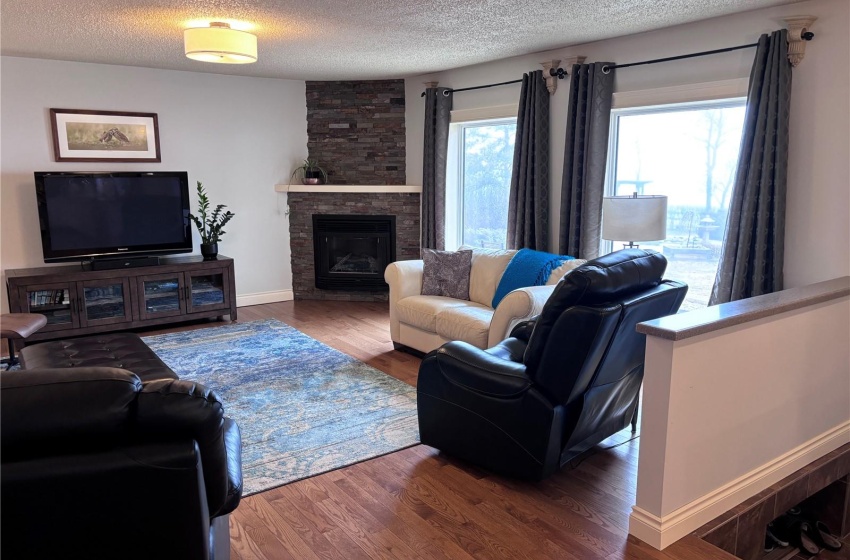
(348, 188)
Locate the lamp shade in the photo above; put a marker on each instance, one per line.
(634, 218)
(220, 43)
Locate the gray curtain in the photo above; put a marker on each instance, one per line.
(438, 106)
(752, 258)
(585, 156)
(528, 209)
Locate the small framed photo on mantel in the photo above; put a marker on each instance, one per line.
(81, 135)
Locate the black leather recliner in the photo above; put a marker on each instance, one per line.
(561, 383)
(97, 464)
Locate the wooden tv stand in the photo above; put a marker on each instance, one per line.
(77, 301)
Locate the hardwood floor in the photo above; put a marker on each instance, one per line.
(421, 504)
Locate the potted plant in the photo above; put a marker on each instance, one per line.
(311, 173)
(210, 224)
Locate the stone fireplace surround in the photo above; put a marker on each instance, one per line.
(401, 201)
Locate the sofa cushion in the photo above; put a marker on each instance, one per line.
(115, 350)
(488, 265)
(446, 273)
(422, 311)
(470, 323)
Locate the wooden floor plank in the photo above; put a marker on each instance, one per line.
(421, 503)
(314, 538)
(411, 527)
(368, 532)
(394, 519)
(289, 540)
(249, 540)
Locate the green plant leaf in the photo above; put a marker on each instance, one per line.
(209, 225)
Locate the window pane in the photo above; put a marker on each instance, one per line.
(690, 156)
(488, 152)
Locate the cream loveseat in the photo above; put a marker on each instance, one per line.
(425, 323)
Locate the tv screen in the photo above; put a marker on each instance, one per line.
(89, 215)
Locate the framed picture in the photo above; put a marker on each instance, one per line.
(80, 135)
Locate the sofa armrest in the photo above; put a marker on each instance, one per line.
(405, 280)
(169, 408)
(520, 305)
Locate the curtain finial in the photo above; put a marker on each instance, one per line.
(549, 65)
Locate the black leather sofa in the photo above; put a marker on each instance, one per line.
(561, 383)
(106, 454)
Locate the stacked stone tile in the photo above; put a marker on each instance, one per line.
(405, 206)
(356, 131)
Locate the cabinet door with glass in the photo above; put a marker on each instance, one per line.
(58, 302)
(208, 290)
(161, 295)
(104, 302)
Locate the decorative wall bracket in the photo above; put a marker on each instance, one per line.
(551, 79)
(798, 34)
(552, 71)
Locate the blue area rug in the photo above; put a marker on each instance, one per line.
(303, 407)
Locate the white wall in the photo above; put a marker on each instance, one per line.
(728, 413)
(239, 136)
(818, 184)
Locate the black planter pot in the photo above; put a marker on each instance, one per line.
(209, 251)
(314, 174)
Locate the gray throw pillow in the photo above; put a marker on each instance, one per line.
(446, 273)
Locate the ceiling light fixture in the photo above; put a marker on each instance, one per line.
(219, 43)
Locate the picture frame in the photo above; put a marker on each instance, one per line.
(104, 136)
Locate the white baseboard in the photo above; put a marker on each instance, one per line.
(661, 532)
(264, 297)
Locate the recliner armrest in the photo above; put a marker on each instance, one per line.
(523, 330)
(233, 445)
(50, 409)
(462, 364)
(174, 408)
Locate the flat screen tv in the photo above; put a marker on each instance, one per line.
(86, 216)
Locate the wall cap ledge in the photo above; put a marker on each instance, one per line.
(715, 318)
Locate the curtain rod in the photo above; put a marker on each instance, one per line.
(606, 68)
(560, 73)
(807, 36)
(447, 90)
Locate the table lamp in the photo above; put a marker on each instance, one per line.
(634, 218)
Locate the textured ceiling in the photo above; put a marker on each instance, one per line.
(336, 39)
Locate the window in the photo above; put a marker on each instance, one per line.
(687, 152)
(478, 182)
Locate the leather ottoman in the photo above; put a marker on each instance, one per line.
(120, 350)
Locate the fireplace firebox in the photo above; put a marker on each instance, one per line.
(352, 251)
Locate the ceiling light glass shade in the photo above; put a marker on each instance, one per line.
(630, 218)
(219, 43)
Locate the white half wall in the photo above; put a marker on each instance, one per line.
(239, 136)
(819, 161)
(728, 413)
